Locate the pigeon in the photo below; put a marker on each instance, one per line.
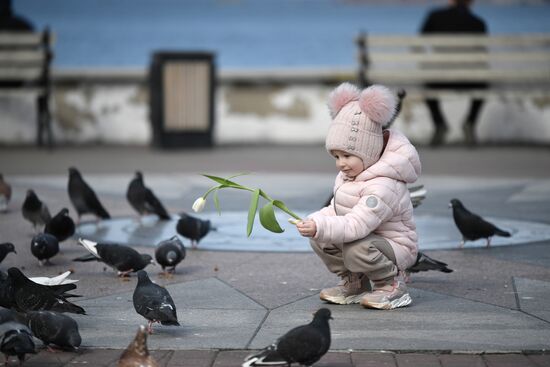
(123, 259)
(426, 263)
(54, 328)
(304, 344)
(170, 253)
(154, 302)
(83, 197)
(143, 200)
(44, 246)
(417, 194)
(137, 354)
(29, 296)
(5, 194)
(7, 315)
(5, 249)
(34, 210)
(61, 225)
(57, 280)
(472, 226)
(15, 340)
(192, 228)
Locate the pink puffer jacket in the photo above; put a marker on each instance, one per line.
(376, 201)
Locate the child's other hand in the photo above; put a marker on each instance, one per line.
(307, 228)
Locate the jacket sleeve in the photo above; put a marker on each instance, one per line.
(326, 211)
(374, 207)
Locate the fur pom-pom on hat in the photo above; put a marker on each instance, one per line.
(341, 96)
(378, 103)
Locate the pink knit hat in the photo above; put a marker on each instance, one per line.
(357, 120)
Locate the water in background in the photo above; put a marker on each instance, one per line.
(242, 33)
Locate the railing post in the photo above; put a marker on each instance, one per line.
(362, 59)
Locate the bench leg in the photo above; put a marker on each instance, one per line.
(44, 122)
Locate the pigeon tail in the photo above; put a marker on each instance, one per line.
(86, 258)
(68, 307)
(502, 233)
(89, 245)
(266, 357)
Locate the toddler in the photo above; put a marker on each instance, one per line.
(367, 233)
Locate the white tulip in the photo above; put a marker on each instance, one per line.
(198, 205)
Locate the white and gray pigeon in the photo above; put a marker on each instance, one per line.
(35, 211)
(5, 249)
(44, 246)
(25, 295)
(304, 344)
(123, 259)
(154, 302)
(54, 328)
(62, 278)
(143, 200)
(16, 340)
(170, 253)
(83, 197)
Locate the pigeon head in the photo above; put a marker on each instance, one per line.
(9, 247)
(455, 203)
(322, 314)
(74, 172)
(142, 276)
(147, 259)
(139, 344)
(139, 175)
(31, 193)
(15, 273)
(64, 211)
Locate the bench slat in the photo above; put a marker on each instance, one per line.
(458, 40)
(507, 76)
(15, 57)
(14, 73)
(459, 57)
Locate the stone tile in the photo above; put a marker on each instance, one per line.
(192, 358)
(534, 297)
(373, 359)
(461, 360)
(414, 360)
(507, 360)
(540, 360)
(44, 356)
(230, 358)
(433, 322)
(96, 357)
(335, 359)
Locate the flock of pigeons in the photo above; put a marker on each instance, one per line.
(37, 307)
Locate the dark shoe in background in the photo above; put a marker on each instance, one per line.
(469, 133)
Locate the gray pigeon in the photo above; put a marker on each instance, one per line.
(170, 253)
(30, 296)
(54, 328)
(304, 344)
(82, 196)
(61, 225)
(15, 340)
(426, 263)
(143, 200)
(5, 194)
(192, 228)
(44, 246)
(154, 302)
(5, 249)
(34, 210)
(123, 259)
(137, 353)
(472, 226)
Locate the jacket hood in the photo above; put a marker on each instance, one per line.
(399, 161)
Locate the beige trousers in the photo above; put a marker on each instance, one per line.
(372, 255)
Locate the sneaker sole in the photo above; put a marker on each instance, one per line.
(405, 300)
(344, 300)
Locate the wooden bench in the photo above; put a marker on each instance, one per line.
(517, 65)
(25, 59)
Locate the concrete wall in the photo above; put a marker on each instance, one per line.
(112, 106)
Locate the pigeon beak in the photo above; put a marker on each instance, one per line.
(15, 252)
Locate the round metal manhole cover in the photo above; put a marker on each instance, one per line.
(434, 233)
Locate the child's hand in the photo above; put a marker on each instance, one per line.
(307, 228)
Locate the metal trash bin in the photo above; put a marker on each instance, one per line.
(181, 95)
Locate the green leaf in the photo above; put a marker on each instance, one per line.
(279, 204)
(224, 181)
(252, 211)
(268, 220)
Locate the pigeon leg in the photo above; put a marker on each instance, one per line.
(51, 349)
(126, 273)
(462, 244)
(488, 242)
(150, 327)
(193, 244)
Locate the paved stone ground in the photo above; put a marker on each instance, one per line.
(492, 311)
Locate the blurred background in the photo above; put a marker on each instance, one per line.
(274, 62)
